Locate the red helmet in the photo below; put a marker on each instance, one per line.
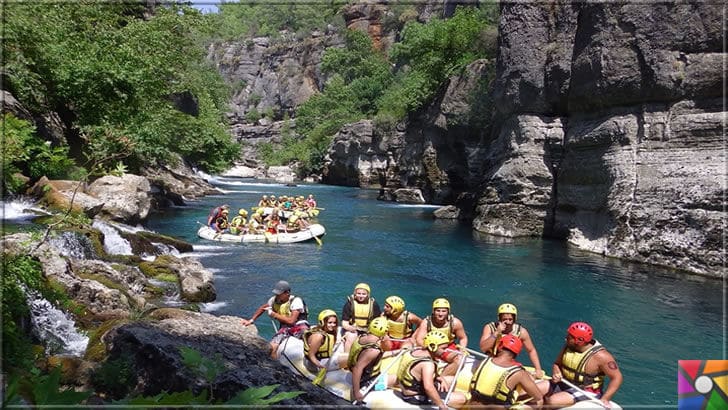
(510, 342)
(581, 332)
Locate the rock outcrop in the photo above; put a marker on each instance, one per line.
(153, 348)
(634, 92)
(435, 151)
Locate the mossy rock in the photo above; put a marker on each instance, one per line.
(159, 269)
(96, 350)
(180, 245)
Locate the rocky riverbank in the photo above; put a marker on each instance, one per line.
(120, 296)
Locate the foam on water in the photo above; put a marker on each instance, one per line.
(19, 210)
(113, 242)
(212, 306)
(54, 328)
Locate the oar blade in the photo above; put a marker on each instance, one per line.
(320, 377)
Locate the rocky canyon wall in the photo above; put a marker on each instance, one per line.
(634, 93)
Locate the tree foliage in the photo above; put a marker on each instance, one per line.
(365, 83)
(113, 70)
(237, 20)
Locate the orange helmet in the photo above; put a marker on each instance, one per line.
(581, 332)
(510, 342)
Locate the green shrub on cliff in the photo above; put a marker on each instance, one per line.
(365, 83)
(23, 151)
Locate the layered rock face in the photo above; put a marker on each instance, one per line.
(634, 93)
(438, 152)
(272, 79)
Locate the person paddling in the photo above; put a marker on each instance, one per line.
(585, 363)
(216, 213)
(400, 324)
(360, 308)
(498, 378)
(319, 342)
(417, 374)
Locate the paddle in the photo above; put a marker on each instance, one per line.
(318, 241)
(383, 373)
(455, 379)
(321, 376)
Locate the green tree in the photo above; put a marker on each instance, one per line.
(114, 71)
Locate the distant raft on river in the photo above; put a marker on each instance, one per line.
(313, 232)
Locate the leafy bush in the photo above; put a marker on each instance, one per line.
(23, 151)
(114, 377)
(41, 390)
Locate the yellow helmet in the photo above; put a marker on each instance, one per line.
(362, 286)
(378, 326)
(293, 219)
(325, 314)
(396, 303)
(433, 339)
(243, 212)
(508, 308)
(440, 303)
(260, 211)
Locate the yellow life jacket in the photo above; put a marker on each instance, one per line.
(489, 385)
(372, 370)
(221, 222)
(362, 313)
(447, 329)
(573, 365)
(404, 374)
(237, 224)
(326, 349)
(285, 308)
(399, 330)
(515, 331)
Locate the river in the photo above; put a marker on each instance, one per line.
(647, 317)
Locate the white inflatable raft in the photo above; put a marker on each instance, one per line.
(338, 381)
(314, 231)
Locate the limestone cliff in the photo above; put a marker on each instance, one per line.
(623, 101)
(606, 131)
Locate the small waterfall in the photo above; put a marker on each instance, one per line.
(171, 296)
(20, 209)
(73, 245)
(114, 244)
(54, 328)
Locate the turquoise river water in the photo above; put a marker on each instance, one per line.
(647, 317)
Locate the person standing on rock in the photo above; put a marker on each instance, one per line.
(290, 311)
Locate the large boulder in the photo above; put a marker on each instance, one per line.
(153, 347)
(126, 198)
